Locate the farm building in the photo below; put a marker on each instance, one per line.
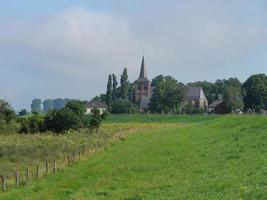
(102, 106)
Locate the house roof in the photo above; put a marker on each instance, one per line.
(195, 93)
(215, 103)
(96, 104)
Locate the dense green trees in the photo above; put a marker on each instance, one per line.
(109, 96)
(23, 112)
(168, 95)
(36, 105)
(7, 113)
(32, 124)
(233, 98)
(123, 106)
(124, 84)
(69, 117)
(120, 99)
(54, 104)
(48, 104)
(115, 92)
(255, 92)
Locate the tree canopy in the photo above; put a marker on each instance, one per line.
(168, 95)
(255, 92)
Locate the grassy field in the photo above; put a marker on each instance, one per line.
(167, 157)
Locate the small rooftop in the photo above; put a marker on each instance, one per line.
(195, 93)
(96, 104)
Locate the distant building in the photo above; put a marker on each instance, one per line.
(102, 106)
(196, 95)
(143, 89)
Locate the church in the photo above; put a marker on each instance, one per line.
(143, 92)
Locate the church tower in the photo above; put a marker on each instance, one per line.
(142, 88)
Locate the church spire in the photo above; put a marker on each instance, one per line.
(143, 72)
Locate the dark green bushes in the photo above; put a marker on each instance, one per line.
(123, 106)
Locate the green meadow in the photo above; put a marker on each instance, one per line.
(165, 157)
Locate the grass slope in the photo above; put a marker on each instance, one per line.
(220, 158)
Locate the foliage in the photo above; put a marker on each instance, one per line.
(6, 112)
(48, 105)
(70, 117)
(233, 98)
(168, 95)
(23, 112)
(124, 84)
(77, 107)
(54, 104)
(36, 105)
(96, 119)
(109, 92)
(123, 106)
(255, 92)
(115, 92)
(32, 124)
(9, 128)
(131, 92)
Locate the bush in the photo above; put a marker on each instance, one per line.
(123, 106)
(62, 120)
(8, 128)
(32, 124)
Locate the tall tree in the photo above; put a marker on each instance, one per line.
(124, 84)
(109, 92)
(48, 105)
(36, 105)
(255, 92)
(6, 111)
(232, 98)
(168, 95)
(114, 89)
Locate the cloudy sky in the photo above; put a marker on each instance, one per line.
(67, 48)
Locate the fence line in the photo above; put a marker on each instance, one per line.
(20, 179)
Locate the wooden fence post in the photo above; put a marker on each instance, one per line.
(4, 182)
(55, 166)
(46, 168)
(37, 171)
(27, 175)
(68, 159)
(17, 178)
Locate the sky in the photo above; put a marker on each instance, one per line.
(67, 48)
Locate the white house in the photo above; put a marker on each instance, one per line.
(102, 106)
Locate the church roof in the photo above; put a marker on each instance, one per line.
(195, 93)
(143, 72)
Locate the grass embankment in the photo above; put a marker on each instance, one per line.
(210, 158)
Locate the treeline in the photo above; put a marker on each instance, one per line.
(169, 95)
(71, 116)
(48, 104)
(119, 98)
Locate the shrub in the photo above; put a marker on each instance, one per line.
(32, 124)
(123, 106)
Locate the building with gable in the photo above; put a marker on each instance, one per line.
(143, 91)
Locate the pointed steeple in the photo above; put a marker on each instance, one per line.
(143, 72)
